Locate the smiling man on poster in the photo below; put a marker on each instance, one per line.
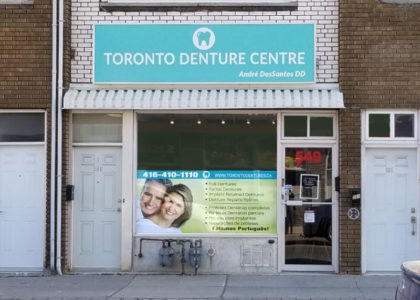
(149, 204)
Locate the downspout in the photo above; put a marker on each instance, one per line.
(59, 131)
(53, 134)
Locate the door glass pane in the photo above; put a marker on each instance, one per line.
(22, 127)
(97, 128)
(404, 125)
(379, 125)
(295, 126)
(308, 222)
(321, 126)
(309, 173)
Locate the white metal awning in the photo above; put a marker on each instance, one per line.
(321, 98)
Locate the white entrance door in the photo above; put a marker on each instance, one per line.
(391, 203)
(22, 207)
(97, 208)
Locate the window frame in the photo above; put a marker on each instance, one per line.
(308, 126)
(25, 111)
(100, 144)
(134, 147)
(391, 114)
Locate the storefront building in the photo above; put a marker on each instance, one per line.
(379, 142)
(25, 115)
(203, 139)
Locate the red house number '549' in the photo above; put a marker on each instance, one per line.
(309, 156)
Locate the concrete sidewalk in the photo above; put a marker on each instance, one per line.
(282, 286)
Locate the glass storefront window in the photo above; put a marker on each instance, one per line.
(22, 127)
(97, 128)
(206, 174)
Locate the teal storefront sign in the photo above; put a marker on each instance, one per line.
(283, 53)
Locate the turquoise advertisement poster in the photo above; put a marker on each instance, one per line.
(206, 53)
(206, 202)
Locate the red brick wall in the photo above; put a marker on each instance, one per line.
(379, 68)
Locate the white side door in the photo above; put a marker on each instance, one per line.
(391, 203)
(22, 207)
(97, 208)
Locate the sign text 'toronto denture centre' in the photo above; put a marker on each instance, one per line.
(209, 58)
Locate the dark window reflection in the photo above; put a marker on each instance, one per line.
(21, 127)
(404, 125)
(308, 238)
(210, 142)
(379, 125)
(295, 126)
(322, 126)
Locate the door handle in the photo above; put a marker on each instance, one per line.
(293, 203)
(119, 209)
(413, 222)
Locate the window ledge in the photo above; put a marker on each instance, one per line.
(199, 3)
(16, 2)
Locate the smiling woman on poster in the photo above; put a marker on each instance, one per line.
(175, 210)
